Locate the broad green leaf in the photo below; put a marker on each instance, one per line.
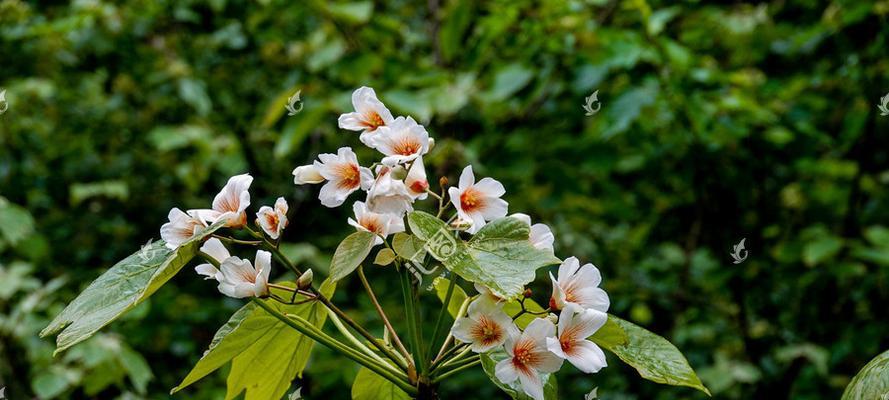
(350, 253)
(384, 257)
(610, 335)
(872, 382)
(370, 386)
(514, 389)
(121, 288)
(408, 246)
(654, 357)
(457, 298)
(245, 340)
(499, 256)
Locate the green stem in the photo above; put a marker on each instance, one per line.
(373, 299)
(412, 323)
(360, 346)
(456, 370)
(441, 313)
(309, 330)
(451, 365)
(324, 300)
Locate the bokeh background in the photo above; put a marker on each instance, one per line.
(719, 121)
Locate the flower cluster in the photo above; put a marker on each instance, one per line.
(543, 345)
(577, 306)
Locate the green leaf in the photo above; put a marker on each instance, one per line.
(127, 284)
(408, 246)
(15, 222)
(513, 307)
(489, 362)
(872, 382)
(821, 249)
(350, 253)
(610, 335)
(354, 13)
(654, 357)
(499, 256)
(508, 80)
(245, 340)
(370, 386)
(384, 257)
(457, 298)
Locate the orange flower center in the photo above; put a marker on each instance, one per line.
(272, 219)
(350, 177)
(406, 147)
(487, 331)
(523, 356)
(471, 200)
(373, 121)
(371, 225)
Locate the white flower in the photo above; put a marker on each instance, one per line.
(485, 327)
(370, 114)
(343, 175)
(416, 180)
(214, 248)
(273, 220)
(241, 279)
(182, 226)
(478, 202)
(381, 224)
(578, 285)
(388, 195)
(231, 202)
(575, 326)
(541, 236)
(401, 141)
(306, 174)
(529, 357)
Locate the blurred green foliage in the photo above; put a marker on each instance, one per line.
(719, 121)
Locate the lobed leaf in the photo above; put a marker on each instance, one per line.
(499, 256)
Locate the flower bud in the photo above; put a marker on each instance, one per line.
(443, 181)
(307, 174)
(305, 280)
(527, 293)
(553, 318)
(431, 144)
